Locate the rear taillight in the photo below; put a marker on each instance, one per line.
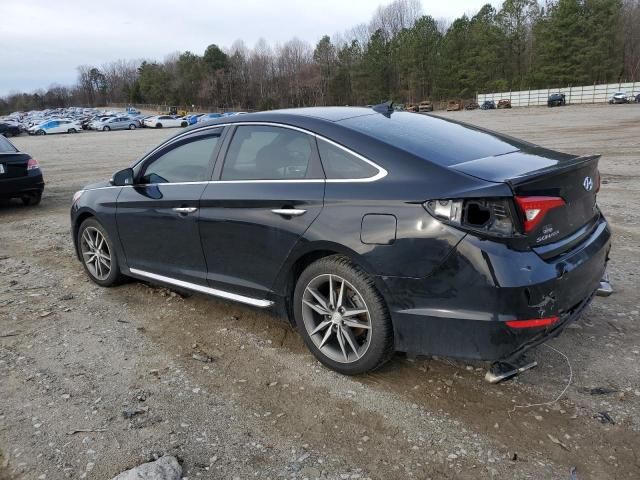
(533, 323)
(534, 209)
(32, 164)
(491, 216)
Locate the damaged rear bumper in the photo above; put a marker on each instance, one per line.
(462, 309)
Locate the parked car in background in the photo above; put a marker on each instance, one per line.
(166, 121)
(209, 116)
(20, 175)
(504, 103)
(638, 98)
(556, 100)
(619, 97)
(472, 106)
(10, 129)
(371, 230)
(488, 105)
(55, 126)
(193, 119)
(119, 123)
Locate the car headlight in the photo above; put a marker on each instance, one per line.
(77, 195)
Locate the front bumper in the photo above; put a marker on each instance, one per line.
(461, 309)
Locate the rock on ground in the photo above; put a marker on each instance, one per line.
(165, 468)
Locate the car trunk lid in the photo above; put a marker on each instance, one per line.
(13, 165)
(560, 187)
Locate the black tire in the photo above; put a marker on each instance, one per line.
(184, 124)
(106, 128)
(72, 130)
(132, 127)
(31, 199)
(158, 125)
(41, 132)
(115, 277)
(380, 346)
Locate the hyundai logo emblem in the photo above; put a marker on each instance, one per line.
(587, 184)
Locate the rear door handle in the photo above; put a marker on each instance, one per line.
(289, 212)
(184, 210)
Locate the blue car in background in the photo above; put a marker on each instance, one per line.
(209, 116)
(193, 119)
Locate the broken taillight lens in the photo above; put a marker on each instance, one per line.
(489, 216)
(32, 164)
(534, 209)
(533, 323)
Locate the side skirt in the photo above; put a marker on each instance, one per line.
(202, 289)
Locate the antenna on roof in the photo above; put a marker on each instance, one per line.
(386, 107)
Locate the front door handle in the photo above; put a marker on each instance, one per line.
(289, 212)
(185, 210)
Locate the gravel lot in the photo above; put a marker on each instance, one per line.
(94, 381)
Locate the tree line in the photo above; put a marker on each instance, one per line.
(401, 54)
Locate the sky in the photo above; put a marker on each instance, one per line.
(44, 41)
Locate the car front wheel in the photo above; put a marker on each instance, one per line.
(98, 256)
(342, 317)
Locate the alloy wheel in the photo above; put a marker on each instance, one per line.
(336, 318)
(95, 253)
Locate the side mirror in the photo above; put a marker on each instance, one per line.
(122, 178)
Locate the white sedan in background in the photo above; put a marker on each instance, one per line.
(55, 126)
(160, 121)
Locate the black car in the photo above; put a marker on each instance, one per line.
(488, 105)
(20, 175)
(556, 100)
(370, 230)
(10, 129)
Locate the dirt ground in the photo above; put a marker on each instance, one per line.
(94, 381)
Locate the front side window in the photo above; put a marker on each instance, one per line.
(188, 162)
(259, 152)
(340, 164)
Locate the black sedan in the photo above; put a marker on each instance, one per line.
(20, 175)
(370, 230)
(9, 129)
(556, 100)
(488, 105)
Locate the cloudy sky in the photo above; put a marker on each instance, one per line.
(43, 41)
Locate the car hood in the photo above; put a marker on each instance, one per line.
(101, 184)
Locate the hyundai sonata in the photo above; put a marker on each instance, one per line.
(371, 230)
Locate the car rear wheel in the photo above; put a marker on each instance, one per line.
(31, 199)
(98, 256)
(72, 130)
(106, 129)
(158, 125)
(41, 132)
(132, 127)
(341, 316)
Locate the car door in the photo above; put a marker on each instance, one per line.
(268, 191)
(157, 217)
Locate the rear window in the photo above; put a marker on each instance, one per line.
(438, 140)
(6, 146)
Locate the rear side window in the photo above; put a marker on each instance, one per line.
(188, 162)
(6, 146)
(338, 163)
(269, 153)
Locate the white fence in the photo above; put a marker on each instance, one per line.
(584, 94)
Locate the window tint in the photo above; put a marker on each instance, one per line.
(188, 162)
(338, 163)
(435, 139)
(268, 153)
(6, 146)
